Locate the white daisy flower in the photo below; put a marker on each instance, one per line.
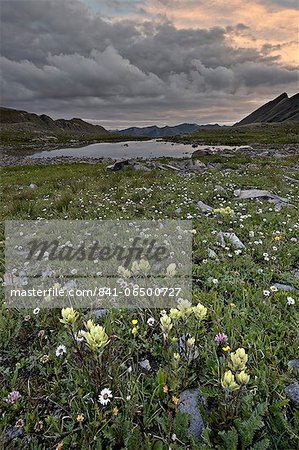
(36, 311)
(273, 289)
(79, 336)
(266, 293)
(290, 301)
(61, 349)
(151, 321)
(104, 397)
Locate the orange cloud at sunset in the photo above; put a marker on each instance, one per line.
(269, 23)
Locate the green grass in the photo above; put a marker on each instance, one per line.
(28, 140)
(55, 392)
(245, 135)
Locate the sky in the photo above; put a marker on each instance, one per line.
(123, 63)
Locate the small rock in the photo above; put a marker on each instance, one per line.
(12, 433)
(100, 313)
(220, 189)
(232, 238)
(212, 254)
(189, 400)
(141, 167)
(32, 186)
(194, 165)
(169, 166)
(280, 205)
(178, 211)
(145, 365)
(258, 193)
(292, 391)
(294, 365)
(293, 180)
(285, 287)
(118, 165)
(201, 152)
(203, 207)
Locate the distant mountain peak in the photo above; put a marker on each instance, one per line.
(154, 131)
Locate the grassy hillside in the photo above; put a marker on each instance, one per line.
(21, 127)
(59, 395)
(245, 135)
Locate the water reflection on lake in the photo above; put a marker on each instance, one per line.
(125, 150)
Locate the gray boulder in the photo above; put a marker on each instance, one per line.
(231, 238)
(189, 404)
(202, 152)
(293, 180)
(212, 254)
(258, 193)
(118, 165)
(285, 287)
(194, 165)
(145, 365)
(141, 167)
(100, 313)
(292, 391)
(220, 189)
(203, 207)
(294, 365)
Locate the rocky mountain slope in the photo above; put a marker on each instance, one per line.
(281, 109)
(12, 119)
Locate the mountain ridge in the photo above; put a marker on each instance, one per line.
(19, 120)
(280, 110)
(155, 131)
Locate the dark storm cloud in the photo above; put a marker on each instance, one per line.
(34, 28)
(66, 59)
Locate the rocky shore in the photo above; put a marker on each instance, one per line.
(9, 156)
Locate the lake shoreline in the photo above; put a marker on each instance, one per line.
(255, 150)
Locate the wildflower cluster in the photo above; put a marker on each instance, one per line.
(135, 328)
(96, 337)
(69, 316)
(185, 309)
(226, 211)
(233, 379)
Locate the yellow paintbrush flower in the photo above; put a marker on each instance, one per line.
(238, 359)
(166, 324)
(200, 311)
(90, 324)
(69, 316)
(242, 377)
(228, 381)
(96, 338)
(175, 314)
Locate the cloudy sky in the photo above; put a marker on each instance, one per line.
(142, 62)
